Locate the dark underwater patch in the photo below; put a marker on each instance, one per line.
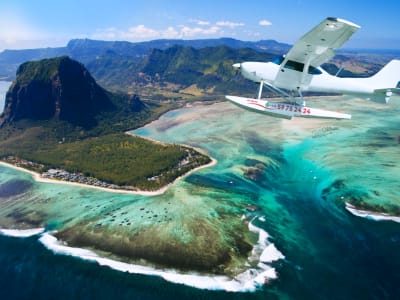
(383, 137)
(14, 187)
(263, 146)
(227, 182)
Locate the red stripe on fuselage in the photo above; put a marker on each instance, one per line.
(252, 102)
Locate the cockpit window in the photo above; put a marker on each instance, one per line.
(314, 71)
(278, 60)
(294, 65)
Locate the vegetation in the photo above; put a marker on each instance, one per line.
(149, 68)
(104, 151)
(100, 149)
(201, 71)
(119, 158)
(210, 69)
(42, 71)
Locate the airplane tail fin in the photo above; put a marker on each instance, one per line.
(388, 77)
(385, 82)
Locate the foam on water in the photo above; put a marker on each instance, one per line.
(371, 215)
(300, 161)
(248, 280)
(264, 250)
(22, 232)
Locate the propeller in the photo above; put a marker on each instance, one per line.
(237, 66)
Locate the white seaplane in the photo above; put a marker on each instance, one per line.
(299, 70)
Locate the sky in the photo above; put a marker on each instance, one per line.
(50, 23)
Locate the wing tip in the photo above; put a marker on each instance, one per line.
(333, 19)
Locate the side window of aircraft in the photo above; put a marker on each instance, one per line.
(314, 71)
(294, 65)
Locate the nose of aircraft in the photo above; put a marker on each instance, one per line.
(236, 66)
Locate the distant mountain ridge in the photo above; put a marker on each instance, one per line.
(207, 69)
(181, 69)
(86, 50)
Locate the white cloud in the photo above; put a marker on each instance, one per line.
(200, 22)
(265, 23)
(186, 31)
(142, 32)
(170, 32)
(229, 24)
(203, 23)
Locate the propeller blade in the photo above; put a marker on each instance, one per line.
(237, 74)
(237, 66)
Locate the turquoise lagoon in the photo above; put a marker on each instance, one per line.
(298, 175)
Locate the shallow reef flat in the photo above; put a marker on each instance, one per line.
(284, 176)
(360, 155)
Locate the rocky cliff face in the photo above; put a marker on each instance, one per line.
(55, 88)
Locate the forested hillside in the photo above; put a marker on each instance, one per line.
(182, 69)
(56, 116)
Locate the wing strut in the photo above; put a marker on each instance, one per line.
(260, 89)
(303, 102)
(277, 90)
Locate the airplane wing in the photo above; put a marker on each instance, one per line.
(315, 48)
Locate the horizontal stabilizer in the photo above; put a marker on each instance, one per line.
(383, 95)
(284, 110)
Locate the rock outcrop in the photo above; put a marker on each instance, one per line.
(58, 88)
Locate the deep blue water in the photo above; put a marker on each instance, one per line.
(355, 260)
(329, 253)
(29, 271)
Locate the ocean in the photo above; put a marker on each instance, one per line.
(299, 174)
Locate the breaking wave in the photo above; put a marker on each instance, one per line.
(260, 273)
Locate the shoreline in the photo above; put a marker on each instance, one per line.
(370, 215)
(22, 233)
(258, 272)
(38, 178)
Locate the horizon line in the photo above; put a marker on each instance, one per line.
(199, 39)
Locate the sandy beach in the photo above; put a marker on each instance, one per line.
(37, 177)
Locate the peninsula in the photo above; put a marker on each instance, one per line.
(59, 122)
(61, 125)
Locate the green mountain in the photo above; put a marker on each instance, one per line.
(55, 88)
(56, 116)
(209, 69)
(61, 93)
(182, 69)
(88, 51)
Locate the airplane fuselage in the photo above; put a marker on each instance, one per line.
(299, 70)
(320, 82)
